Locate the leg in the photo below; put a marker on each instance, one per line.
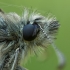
(15, 59)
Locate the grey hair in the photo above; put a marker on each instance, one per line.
(48, 30)
(12, 45)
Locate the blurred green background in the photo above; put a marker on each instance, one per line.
(60, 9)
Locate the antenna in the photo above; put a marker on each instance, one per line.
(61, 58)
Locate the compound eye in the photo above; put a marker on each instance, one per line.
(30, 31)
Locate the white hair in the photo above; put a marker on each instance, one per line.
(12, 44)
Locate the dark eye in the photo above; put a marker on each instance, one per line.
(30, 31)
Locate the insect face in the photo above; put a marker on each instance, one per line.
(36, 29)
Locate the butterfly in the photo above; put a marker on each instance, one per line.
(18, 35)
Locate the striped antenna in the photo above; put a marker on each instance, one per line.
(61, 58)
